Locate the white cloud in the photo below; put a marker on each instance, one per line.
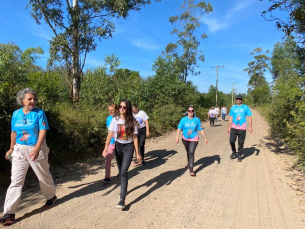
(233, 12)
(144, 45)
(41, 34)
(217, 24)
(213, 24)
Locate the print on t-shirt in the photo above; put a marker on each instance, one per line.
(27, 126)
(190, 132)
(140, 123)
(239, 114)
(190, 128)
(25, 136)
(121, 132)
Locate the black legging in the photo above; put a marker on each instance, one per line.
(141, 140)
(123, 153)
(190, 147)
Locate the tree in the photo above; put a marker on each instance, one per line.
(258, 86)
(285, 60)
(78, 28)
(185, 27)
(294, 23)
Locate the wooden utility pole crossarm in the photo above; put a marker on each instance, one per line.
(217, 81)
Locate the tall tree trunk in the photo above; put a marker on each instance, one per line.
(75, 56)
(75, 69)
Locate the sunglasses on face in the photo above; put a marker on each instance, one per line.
(122, 107)
(191, 111)
(24, 121)
(238, 99)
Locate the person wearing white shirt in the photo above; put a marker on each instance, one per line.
(217, 113)
(143, 129)
(223, 113)
(124, 127)
(212, 116)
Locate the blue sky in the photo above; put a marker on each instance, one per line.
(234, 29)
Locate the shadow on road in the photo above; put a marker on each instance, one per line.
(247, 152)
(216, 125)
(168, 177)
(206, 161)
(154, 159)
(165, 178)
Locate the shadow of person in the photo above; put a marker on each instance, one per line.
(153, 159)
(205, 162)
(249, 151)
(217, 125)
(168, 177)
(88, 188)
(165, 178)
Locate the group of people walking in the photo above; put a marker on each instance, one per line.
(128, 128)
(214, 113)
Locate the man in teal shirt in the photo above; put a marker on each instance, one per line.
(238, 126)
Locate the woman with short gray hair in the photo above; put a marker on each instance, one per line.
(28, 148)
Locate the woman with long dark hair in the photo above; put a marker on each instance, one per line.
(124, 127)
(190, 127)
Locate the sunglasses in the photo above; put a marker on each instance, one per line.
(123, 107)
(191, 111)
(238, 99)
(24, 121)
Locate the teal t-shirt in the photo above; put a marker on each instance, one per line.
(190, 127)
(108, 121)
(239, 114)
(27, 126)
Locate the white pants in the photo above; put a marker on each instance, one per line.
(20, 165)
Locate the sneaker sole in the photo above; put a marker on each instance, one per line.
(120, 207)
(45, 206)
(106, 182)
(8, 223)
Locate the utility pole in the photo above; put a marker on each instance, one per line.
(217, 80)
(232, 91)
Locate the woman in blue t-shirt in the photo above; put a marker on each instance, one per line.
(28, 148)
(190, 127)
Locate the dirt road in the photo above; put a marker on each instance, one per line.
(225, 194)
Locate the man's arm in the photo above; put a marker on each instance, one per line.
(230, 123)
(250, 124)
(147, 128)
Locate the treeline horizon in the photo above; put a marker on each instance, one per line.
(78, 130)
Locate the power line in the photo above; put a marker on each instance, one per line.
(212, 50)
(211, 56)
(226, 72)
(159, 16)
(169, 6)
(178, 3)
(146, 31)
